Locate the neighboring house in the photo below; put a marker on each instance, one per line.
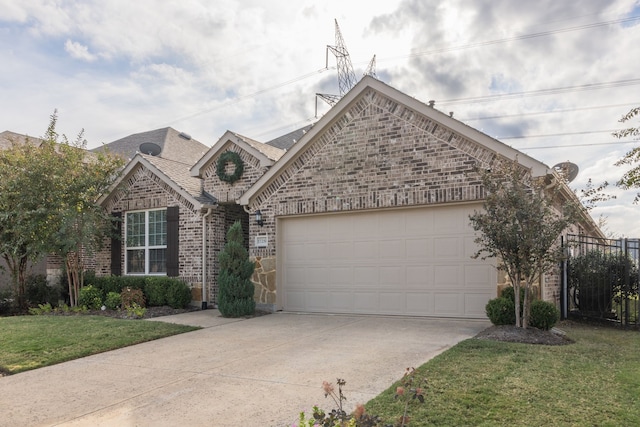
(167, 143)
(367, 211)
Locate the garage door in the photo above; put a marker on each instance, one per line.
(412, 261)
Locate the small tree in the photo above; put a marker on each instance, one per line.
(236, 289)
(520, 227)
(631, 179)
(80, 222)
(49, 190)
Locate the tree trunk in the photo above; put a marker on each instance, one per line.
(516, 291)
(526, 305)
(18, 269)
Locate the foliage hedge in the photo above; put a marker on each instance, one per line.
(501, 311)
(155, 289)
(544, 315)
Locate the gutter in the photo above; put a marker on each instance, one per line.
(204, 258)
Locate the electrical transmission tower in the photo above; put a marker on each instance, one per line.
(346, 76)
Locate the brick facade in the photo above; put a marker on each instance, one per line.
(378, 154)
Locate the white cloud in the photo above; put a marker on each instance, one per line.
(116, 67)
(79, 51)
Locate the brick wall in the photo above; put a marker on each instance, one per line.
(143, 190)
(379, 154)
(224, 191)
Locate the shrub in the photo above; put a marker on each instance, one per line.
(132, 296)
(136, 311)
(178, 294)
(113, 301)
(597, 279)
(39, 291)
(155, 290)
(236, 290)
(501, 311)
(90, 297)
(544, 315)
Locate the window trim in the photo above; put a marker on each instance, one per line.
(146, 247)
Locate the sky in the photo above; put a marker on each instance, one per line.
(550, 78)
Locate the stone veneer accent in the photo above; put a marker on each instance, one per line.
(264, 280)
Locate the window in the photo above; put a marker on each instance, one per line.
(146, 242)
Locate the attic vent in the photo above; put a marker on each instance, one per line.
(184, 135)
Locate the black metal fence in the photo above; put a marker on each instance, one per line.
(600, 279)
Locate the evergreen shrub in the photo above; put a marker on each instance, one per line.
(236, 289)
(544, 315)
(501, 311)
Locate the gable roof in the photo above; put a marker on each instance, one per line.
(266, 154)
(336, 116)
(174, 145)
(174, 175)
(285, 142)
(7, 138)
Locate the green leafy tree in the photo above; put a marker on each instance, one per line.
(49, 189)
(26, 218)
(520, 225)
(236, 289)
(81, 224)
(631, 178)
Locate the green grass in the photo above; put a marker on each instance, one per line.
(595, 381)
(30, 342)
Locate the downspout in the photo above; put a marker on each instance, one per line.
(204, 258)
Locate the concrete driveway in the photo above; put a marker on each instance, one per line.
(261, 371)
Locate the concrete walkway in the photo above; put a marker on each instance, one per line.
(260, 371)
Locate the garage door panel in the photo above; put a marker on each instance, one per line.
(340, 276)
(313, 276)
(447, 303)
(295, 300)
(392, 249)
(366, 302)
(475, 303)
(391, 275)
(392, 302)
(418, 249)
(365, 277)
(317, 300)
(447, 248)
(477, 276)
(364, 226)
(410, 261)
(446, 276)
(341, 301)
(420, 303)
(340, 250)
(419, 276)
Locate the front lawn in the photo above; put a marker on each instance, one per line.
(30, 342)
(595, 381)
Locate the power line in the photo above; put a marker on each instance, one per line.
(514, 38)
(578, 145)
(542, 92)
(536, 113)
(586, 132)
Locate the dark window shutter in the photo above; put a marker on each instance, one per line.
(116, 244)
(173, 237)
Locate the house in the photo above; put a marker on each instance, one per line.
(367, 211)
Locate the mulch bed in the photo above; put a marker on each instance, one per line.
(510, 333)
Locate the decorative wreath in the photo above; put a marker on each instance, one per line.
(226, 157)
